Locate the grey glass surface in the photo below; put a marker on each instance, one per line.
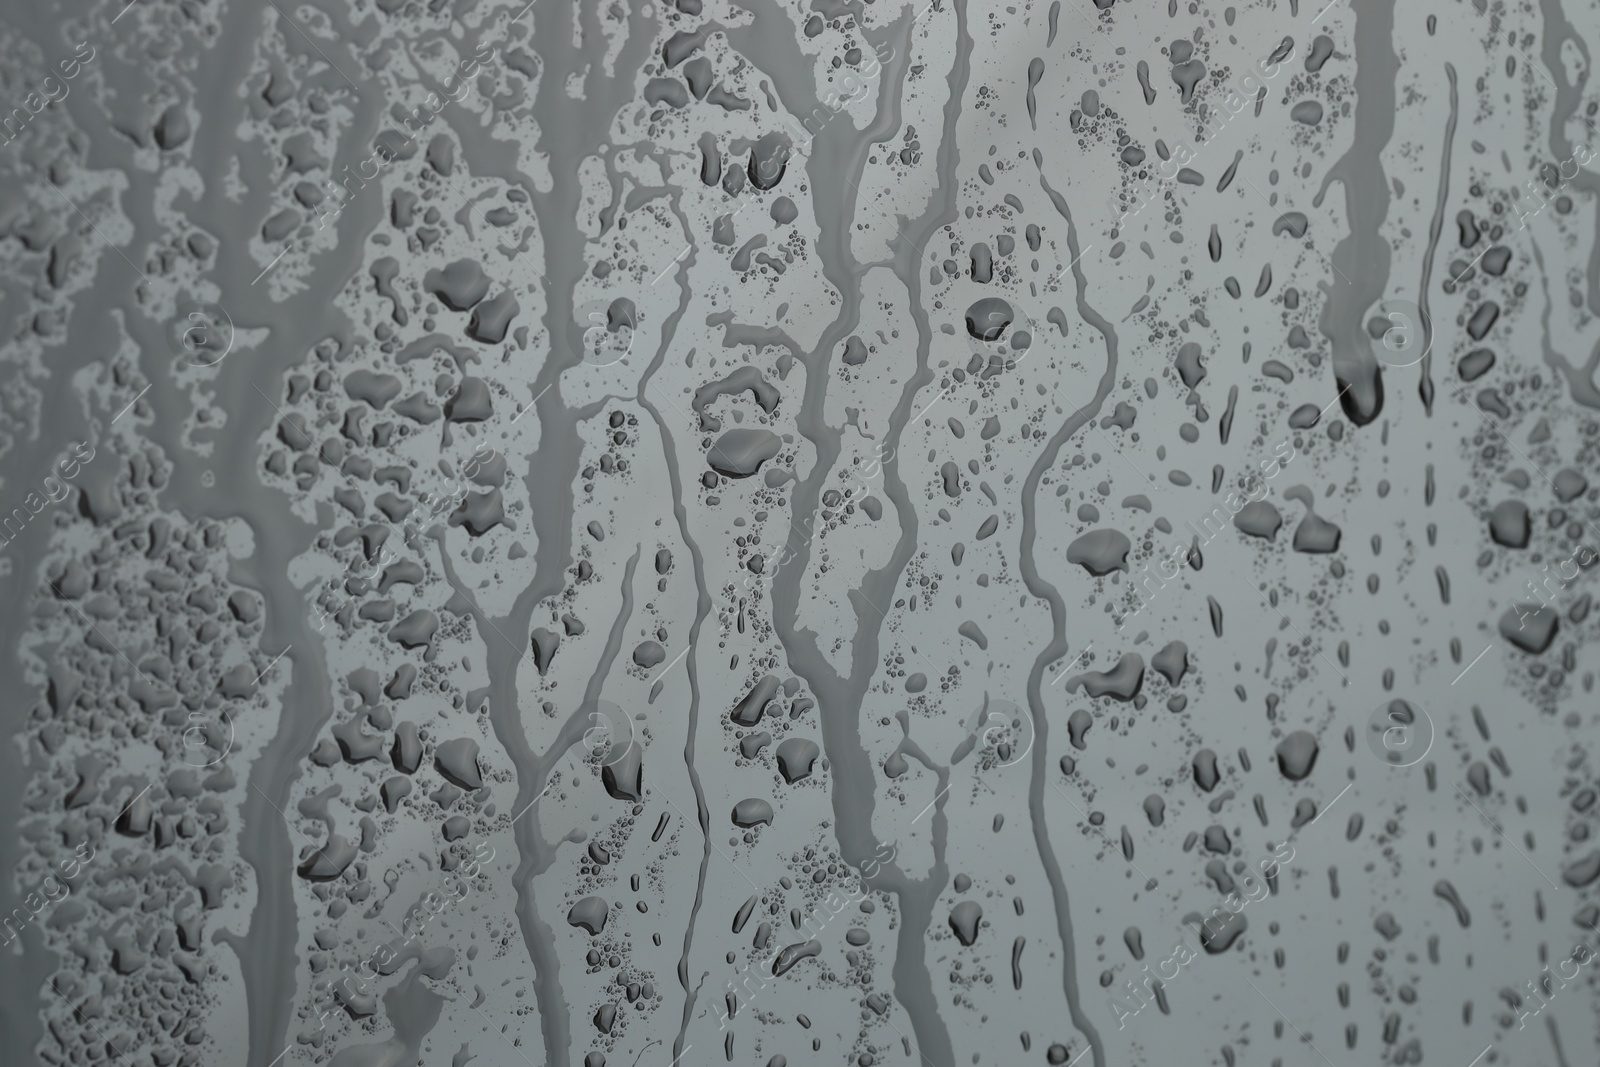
(832, 532)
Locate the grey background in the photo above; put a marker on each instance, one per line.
(460, 464)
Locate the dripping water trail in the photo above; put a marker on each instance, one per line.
(571, 131)
(838, 155)
(1362, 256)
(1435, 228)
(669, 330)
(1037, 585)
(1558, 33)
